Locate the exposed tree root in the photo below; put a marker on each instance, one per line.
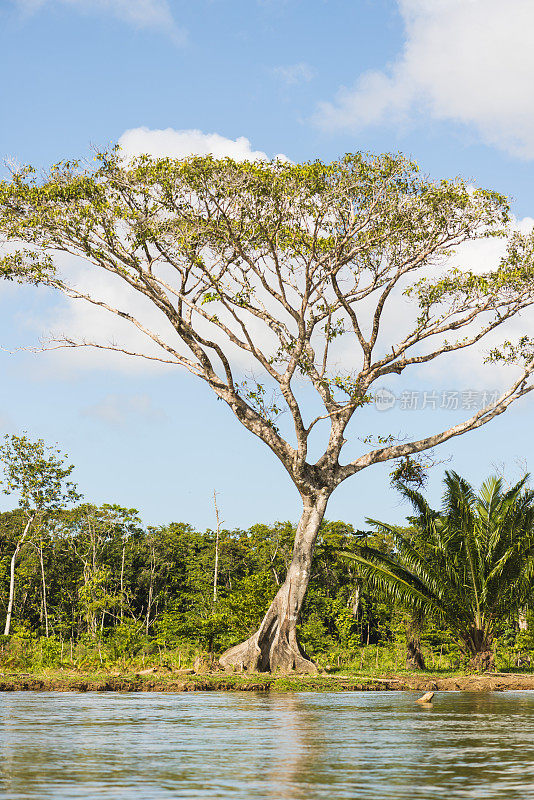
(275, 646)
(258, 655)
(483, 661)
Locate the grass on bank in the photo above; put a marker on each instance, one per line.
(55, 657)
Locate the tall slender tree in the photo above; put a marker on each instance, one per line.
(278, 261)
(38, 475)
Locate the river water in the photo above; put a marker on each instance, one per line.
(153, 746)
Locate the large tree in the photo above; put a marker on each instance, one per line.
(277, 261)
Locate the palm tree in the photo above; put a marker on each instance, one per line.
(469, 566)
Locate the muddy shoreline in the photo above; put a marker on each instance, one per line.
(179, 682)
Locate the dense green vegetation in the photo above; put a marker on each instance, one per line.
(113, 582)
(121, 593)
(84, 585)
(470, 566)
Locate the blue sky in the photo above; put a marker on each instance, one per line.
(448, 82)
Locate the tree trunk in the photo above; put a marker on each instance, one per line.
(484, 661)
(148, 609)
(482, 657)
(354, 600)
(275, 647)
(9, 612)
(216, 567)
(11, 600)
(150, 589)
(414, 655)
(43, 582)
(122, 582)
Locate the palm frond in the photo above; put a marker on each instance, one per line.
(397, 584)
(470, 564)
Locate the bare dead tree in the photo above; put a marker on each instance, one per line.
(217, 538)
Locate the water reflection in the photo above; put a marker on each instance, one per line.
(297, 747)
(283, 747)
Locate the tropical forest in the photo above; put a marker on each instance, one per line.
(88, 588)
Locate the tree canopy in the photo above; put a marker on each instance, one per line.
(279, 261)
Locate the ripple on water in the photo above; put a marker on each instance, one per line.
(307, 746)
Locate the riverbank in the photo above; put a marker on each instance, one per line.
(185, 681)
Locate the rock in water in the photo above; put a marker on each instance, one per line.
(426, 698)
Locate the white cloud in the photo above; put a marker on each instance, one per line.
(292, 74)
(182, 143)
(140, 13)
(469, 61)
(123, 409)
(78, 320)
